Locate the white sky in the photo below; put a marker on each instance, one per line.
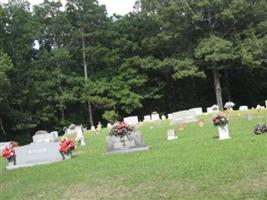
(113, 6)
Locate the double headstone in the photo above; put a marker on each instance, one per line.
(36, 154)
(126, 144)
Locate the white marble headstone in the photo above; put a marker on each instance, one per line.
(163, 117)
(198, 111)
(223, 132)
(132, 121)
(171, 135)
(147, 118)
(155, 117)
(243, 108)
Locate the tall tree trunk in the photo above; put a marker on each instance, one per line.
(89, 106)
(218, 89)
(2, 127)
(227, 85)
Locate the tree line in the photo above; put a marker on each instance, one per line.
(75, 64)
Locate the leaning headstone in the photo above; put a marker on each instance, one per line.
(243, 108)
(155, 116)
(126, 144)
(171, 135)
(147, 118)
(132, 121)
(36, 154)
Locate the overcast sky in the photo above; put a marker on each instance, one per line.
(113, 6)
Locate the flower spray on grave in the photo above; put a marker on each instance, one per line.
(9, 152)
(122, 130)
(221, 121)
(66, 147)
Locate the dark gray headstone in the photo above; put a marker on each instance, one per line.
(36, 153)
(134, 142)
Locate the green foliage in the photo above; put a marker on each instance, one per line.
(110, 116)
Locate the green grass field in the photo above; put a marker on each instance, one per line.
(196, 166)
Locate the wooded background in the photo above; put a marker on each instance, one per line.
(76, 64)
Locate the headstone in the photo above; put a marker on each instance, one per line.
(134, 142)
(209, 110)
(243, 108)
(147, 118)
(36, 154)
(70, 130)
(171, 134)
(155, 116)
(185, 116)
(163, 117)
(79, 136)
(215, 108)
(266, 104)
(198, 111)
(93, 128)
(170, 116)
(109, 125)
(132, 121)
(99, 127)
(43, 136)
(223, 132)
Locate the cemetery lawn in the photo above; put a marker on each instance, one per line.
(196, 166)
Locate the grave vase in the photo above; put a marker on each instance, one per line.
(223, 132)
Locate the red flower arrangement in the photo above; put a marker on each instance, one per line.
(121, 129)
(66, 146)
(9, 151)
(220, 120)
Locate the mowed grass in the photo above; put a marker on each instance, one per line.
(196, 166)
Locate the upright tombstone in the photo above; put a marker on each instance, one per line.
(243, 108)
(36, 154)
(163, 117)
(44, 136)
(109, 125)
(170, 116)
(132, 121)
(79, 136)
(185, 116)
(155, 116)
(147, 118)
(266, 104)
(223, 132)
(209, 110)
(93, 128)
(198, 111)
(126, 144)
(171, 135)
